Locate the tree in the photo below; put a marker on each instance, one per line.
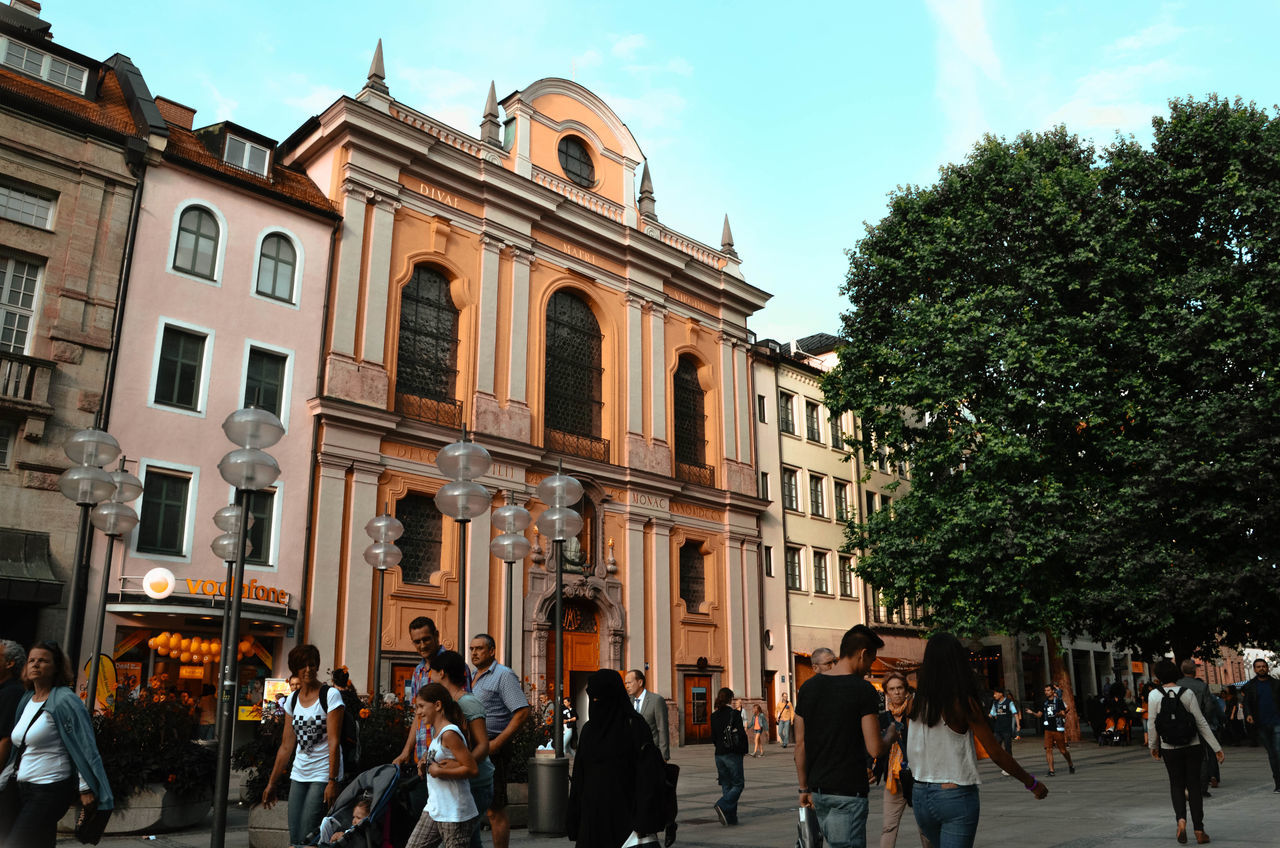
(1077, 352)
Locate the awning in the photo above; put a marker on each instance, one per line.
(25, 573)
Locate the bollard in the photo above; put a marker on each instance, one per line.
(548, 795)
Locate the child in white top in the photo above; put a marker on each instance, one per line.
(450, 813)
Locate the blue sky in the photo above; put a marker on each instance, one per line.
(795, 119)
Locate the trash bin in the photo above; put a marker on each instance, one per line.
(548, 795)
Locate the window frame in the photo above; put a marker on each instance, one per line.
(206, 363)
(173, 469)
(817, 494)
(818, 563)
(295, 285)
(844, 564)
(249, 147)
(587, 181)
(792, 476)
(46, 65)
(7, 258)
(786, 413)
(764, 492)
(840, 499)
(766, 557)
(219, 251)
(794, 571)
(812, 420)
(762, 409)
(286, 393)
(277, 517)
(33, 195)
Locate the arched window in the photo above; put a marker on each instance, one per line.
(197, 249)
(573, 372)
(420, 543)
(427, 357)
(276, 265)
(693, 577)
(689, 414)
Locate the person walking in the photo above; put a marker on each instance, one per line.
(450, 813)
(1175, 730)
(312, 738)
(786, 715)
(652, 707)
(898, 700)
(12, 658)
(449, 669)
(759, 728)
(730, 739)
(1261, 697)
(617, 785)
(1208, 709)
(569, 718)
(506, 708)
(1005, 721)
(426, 640)
(1233, 706)
(945, 719)
(1053, 721)
(54, 753)
(837, 729)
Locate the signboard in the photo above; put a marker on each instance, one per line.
(191, 672)
(1136, 667)
(275, 691)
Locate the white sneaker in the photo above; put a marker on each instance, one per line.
(1005, 773)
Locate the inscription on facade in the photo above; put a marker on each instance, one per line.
(579, 253)
(694, 511)
(409, 452)
(505, 471)
(690, 300)
(639, 499)
(438, 195)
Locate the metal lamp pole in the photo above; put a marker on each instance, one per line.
(227, 547)
(462, 499)
(382, 554)
(249, 469)
(509, 547)
(114, 518)
(559, 522)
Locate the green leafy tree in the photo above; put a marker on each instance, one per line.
(1078, 352)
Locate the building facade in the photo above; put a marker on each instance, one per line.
(520, 284)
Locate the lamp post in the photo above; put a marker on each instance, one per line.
(85, 484)
(462, 499)
(249, 469)
(113, 518)
(509, 547)
(559, 522)
(226, 546)
(382, 554)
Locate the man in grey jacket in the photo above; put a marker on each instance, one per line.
(652, 707)
(1209, 709)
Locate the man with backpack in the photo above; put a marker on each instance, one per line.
(1175, 727)
(730, 738)
(1209, 709)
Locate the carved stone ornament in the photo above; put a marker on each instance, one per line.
(538, 557)
(492, 159)
(652, 231)
(611, 562)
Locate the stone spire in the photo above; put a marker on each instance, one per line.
(490, 129)
(647, 203)
(726, 240)
(377, 72)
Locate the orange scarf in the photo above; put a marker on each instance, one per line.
(900, 713)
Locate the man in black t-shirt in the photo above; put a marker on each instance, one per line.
(836, 728)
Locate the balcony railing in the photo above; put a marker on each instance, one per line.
(446, 413)
(701, 475)
(24, 389)
(587, 447)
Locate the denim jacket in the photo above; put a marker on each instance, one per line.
(76, 731)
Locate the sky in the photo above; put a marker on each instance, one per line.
(797, 121)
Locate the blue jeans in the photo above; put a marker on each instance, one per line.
(784, 733)
(732, 781)
(948, 818)
(1269, 735)
(843, 819)
(306, 809)
(483, 796)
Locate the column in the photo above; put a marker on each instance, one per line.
(1093, 675)
(358, 613)
(347, 284)
(519, 363)
(658, 371)
(660, 662)
(744, 401)
(635, 583)
(727, 406)
(378, 279)
(754, 659)
(735, 623)
(487, 325)
(322, 595)
(635, 366)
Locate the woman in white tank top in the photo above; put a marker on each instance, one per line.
(946, 717)
(450, 813)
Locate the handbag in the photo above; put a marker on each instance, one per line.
(906, 782)
(91, 824)
(808, 831)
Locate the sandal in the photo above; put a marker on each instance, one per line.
(1182, 832)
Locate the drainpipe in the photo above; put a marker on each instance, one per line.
(122, 293)
(791, 670)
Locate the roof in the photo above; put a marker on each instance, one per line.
(284, 184)
(818, 343)
(108, 112)
(19, 18)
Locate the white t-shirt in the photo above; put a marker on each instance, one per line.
(45, 759)
(311, 757)
(448, 799)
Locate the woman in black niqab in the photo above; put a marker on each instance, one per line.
(617, 783)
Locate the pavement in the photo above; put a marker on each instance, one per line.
(1118, 797)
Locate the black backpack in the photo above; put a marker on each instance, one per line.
(1174, 723)
(733, 739)
(349, 744)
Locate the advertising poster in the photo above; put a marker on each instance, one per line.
(253, 679)
(275, 692)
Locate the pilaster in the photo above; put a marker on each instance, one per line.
(346, 296)
(744, 404)
(635, 588)
(635, 365)
(377, 279)
(358, 614)
(658, 371)
(727, 405)
(522, 261)
(663, 670)
(735, 623)
(487, 326)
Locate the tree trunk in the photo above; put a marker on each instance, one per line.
(1061, 678)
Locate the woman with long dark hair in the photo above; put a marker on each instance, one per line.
(449, 669)
(946, 718)
(54, 752)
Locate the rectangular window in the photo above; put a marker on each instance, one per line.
(262, 507)
(882, 459)
(842, 501)
(768, 561)
(181, 361)
(6, 443)
(817, 494)
(793, 569)
(37, 63)
(820, 584)
(25, 207)
(19, 279)
(885, 500)
(837, 432)
(762, 405)
(786, 422)
(764, 485)
(871, 506)
(247, 155)
(812, 425)
(846, 577)
(264, 380)
(790, 489)
(162, 525)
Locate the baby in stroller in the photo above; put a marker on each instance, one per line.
(361, 817)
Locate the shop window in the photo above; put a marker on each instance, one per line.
(179, 373)
(264, 380)
(793, 569)
(573, 372)
(162, 525)
(427, 353)
(693, 578)
(421, 542)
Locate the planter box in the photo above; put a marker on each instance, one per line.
(518, 804)
(269, 828)
(153, 810)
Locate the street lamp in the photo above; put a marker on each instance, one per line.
(559, 522)
(462, 499)
(225, 547)
(382, 554)
(509, 547)
(85, 484)
(249, 469)
(113, 518)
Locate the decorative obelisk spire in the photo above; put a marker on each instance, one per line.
(377, 80)
(490, 129)
(726, 240)
(647, 203)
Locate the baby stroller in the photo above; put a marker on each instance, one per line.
(378, 786)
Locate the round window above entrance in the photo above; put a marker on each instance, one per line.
(575, 161)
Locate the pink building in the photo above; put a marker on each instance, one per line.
(225, 308)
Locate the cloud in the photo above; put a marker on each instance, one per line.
(314, 100)
(444, 94)
(1111, 99)
(646, 115)
(627, 46)
(590, 59)
(224, 107)
(676, 65)
(967, 62)
(1157, 35)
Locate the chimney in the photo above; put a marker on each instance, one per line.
(31, 7)
(175, 113)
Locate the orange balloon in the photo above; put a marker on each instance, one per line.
(175, 642)
(162, 651)
(163, 637)
(245, 646)
(215, 649)
(186, 657)
(185, 644)
(151, 643)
